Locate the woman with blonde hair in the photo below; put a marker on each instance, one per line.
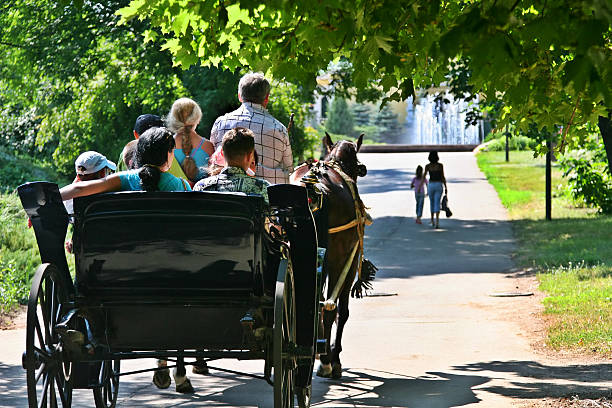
(192, 150)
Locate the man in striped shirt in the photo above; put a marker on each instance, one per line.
(271, 139)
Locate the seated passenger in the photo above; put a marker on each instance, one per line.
(142, 124)
(192, 150)
(88, 166)
(127, 155)
(153, 158)
(236, 176)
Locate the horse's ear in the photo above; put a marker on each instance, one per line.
(359, 141)
(327, 142)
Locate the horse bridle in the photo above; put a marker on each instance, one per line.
(361, 168)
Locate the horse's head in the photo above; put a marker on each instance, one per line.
(344, 153)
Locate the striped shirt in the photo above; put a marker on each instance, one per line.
(271, 140)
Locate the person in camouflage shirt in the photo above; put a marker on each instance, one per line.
(237, 176)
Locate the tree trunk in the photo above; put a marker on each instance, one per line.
(605, 127)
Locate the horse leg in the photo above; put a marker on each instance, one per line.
(325, 369)
(183, 385)
(161, 377)
(343, 315)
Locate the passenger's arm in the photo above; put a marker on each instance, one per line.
(287, 163)
(215, 138)
(425, 171)
(84, 188)
(443, 178)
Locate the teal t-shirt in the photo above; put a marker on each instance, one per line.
(130, 181)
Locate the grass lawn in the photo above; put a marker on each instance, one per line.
(572, 253)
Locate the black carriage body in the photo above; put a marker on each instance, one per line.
(172, 274)
(167, 271)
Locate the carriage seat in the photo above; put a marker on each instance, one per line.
(134, 245)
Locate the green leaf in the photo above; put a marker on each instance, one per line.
(150, 36)
(383, 43)
(388, 82)
(129, 12)
(180, 23)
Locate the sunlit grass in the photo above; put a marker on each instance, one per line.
(521, 186)
(572, 253)
(580, 302)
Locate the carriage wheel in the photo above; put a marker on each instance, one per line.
(46, 362)
(284, 337)
(106, 395)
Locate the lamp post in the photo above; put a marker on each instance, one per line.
(507, 144)
(548, 179)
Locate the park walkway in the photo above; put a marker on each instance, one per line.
(438, 341)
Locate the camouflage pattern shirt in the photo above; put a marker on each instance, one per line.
(234, 179)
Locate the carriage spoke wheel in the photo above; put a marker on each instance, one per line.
(284, 337)
(47, 365)
(106, 395)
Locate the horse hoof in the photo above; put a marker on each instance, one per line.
(185, 387)
(336, 372)
(200, 368)
(324, 370)
(161, 379)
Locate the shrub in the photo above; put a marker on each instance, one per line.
(19, 255)
(16, 171)
(14, 285)
(589, 178)
(515, 143)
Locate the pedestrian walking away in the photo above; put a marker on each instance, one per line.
(418, 183)
(437, 186)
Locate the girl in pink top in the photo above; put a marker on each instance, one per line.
(418, 183)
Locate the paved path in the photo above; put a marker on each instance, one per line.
(442, 341)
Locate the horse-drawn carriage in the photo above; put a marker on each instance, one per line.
(170, 276)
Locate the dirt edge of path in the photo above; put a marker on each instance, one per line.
(14, 319)
(534, 324)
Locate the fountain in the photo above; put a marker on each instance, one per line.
(433, 123)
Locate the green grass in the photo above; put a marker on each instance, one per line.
(521, 182)
(580, 299)
(572, 253)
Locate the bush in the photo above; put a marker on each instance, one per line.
(18, 131)
(16, 171)
(589, 178)
(14, 285)
(515, 143)
(19, 255)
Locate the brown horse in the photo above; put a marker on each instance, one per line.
(342, 231)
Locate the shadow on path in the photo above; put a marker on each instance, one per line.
(360, 387)
(460, 246)
(577, 379)
(13, 389)
(435, 390)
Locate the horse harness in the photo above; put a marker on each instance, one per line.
(360, 221)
